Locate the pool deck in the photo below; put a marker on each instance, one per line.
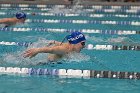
(84, 2)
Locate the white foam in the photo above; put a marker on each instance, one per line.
(76, 57)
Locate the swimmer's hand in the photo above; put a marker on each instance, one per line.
(31, 53)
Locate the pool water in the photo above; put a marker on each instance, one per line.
(114, 60)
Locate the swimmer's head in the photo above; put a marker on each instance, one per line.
(76, 37)
(20, 15)
(33, 14)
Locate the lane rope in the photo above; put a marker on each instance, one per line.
(94, 31)
(105, 22)
(88, 47)
(132, 11)
(69, 6)
(95, 15)
(71, 73)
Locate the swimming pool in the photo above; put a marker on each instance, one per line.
(112, 30)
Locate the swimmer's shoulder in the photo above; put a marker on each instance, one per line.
(64, 44)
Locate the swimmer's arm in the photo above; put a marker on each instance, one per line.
(54, 50)
(5, 20)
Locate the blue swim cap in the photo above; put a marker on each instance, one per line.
(75, 37)
(20, 15)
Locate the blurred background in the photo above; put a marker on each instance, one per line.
(69, 1)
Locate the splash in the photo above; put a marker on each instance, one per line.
(17, 58)
(112, 40)
(2, 25)
(76, 57)
(95, 39)
(117, 40)
(42, 42)
(21, 25)
(122, 40)
(74, 9)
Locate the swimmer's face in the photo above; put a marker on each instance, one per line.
(80, 46)
(83, 43)
(22, 20)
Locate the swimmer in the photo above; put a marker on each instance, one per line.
(33, 14)
(76, 42)
(20, 18)
(71, 1)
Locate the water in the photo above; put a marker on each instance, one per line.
(62, 85)
(117, 60)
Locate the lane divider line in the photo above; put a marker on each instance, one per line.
(72, 73)
(88, 47)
